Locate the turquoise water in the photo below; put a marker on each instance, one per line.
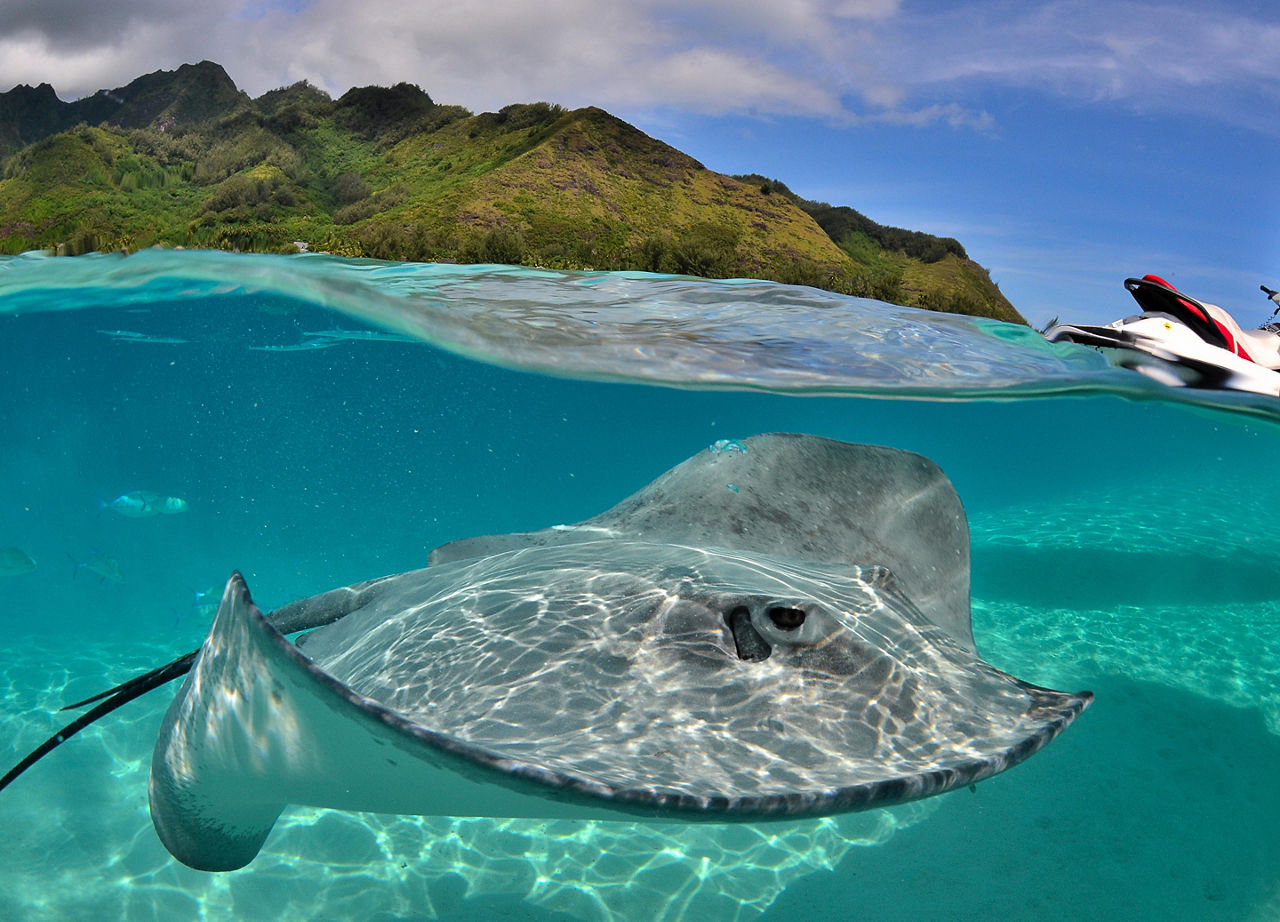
(1120, 543)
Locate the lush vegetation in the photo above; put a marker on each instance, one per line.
(903, 266)
(186, 159)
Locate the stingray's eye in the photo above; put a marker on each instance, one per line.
(786, 619)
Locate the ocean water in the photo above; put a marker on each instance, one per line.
(330, 421)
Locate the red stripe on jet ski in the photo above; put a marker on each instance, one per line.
(1226, 334)
(1187, 304)
(1232, 345)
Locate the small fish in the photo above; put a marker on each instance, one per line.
(141, 504)
(299, 347)
(132, 336)
(360, 336)
(204, 604)
(14, 560)
(206, 601)
(106, 568)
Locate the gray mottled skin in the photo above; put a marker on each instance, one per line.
(798, 645)
(802, 498)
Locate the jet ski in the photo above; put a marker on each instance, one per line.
(1183, 342)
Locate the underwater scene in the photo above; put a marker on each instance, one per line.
(170, 417)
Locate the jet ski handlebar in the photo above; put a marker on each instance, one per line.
(1272, 295)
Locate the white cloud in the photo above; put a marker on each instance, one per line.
(1148, 55)
(724, 56)
(952, 114)
(29, 57)
(843, 60)
(575, 52)
(712, 80)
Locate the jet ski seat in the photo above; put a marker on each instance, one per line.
(1213, 324)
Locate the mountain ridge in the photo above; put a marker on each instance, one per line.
(185, 158)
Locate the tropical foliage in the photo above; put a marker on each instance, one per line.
(184, 158)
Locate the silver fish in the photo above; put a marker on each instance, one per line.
(14, 560)
(141, 504)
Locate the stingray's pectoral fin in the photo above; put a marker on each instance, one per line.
(256, 726)
(202, 816)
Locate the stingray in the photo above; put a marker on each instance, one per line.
(775, 628)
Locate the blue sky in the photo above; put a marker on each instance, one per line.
(1066, 144)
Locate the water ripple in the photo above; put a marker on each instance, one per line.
(626, 326)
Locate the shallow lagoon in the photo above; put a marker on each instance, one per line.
(1119, 544)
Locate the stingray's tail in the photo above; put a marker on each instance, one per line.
(115, 697)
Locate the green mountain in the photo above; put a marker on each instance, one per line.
(184, 158)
